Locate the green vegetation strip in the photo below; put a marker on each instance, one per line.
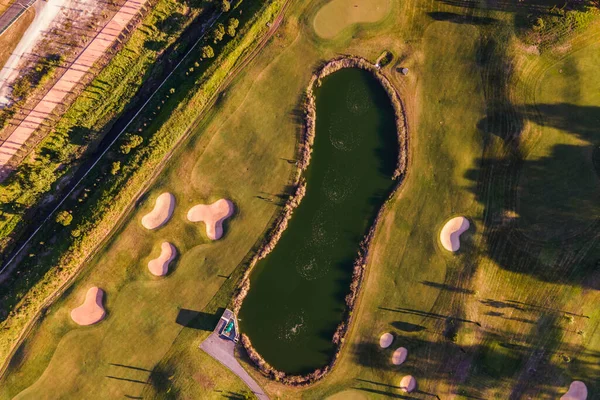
(105, 197)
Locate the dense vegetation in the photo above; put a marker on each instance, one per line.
(553, 22)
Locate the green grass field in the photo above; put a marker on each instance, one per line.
(498, 133)
(338, 15)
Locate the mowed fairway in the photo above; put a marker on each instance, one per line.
(510, 315)
(337, 15)
(560, 186)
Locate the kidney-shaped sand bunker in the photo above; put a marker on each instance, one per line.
(450, 234)
(577, 391)
(92, 310)
(160, 266)
(160, 215)
(212, 215)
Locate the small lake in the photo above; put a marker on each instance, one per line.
(296, 298)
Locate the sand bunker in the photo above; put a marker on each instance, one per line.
(408, 383)
(160, 215)
(213, 216)
(160, 266)
(399, 356)
(450, 234)
(91, 311)
(386, 340)
(577, 391)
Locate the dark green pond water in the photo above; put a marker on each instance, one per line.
(296, 299)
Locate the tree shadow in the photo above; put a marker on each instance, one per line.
(408, 327)
(450, 288)
(198, 319)
(461, 18)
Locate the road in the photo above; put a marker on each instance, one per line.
(13, 13)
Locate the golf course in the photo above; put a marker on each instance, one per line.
(480, 278)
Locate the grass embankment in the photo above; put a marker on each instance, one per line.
(92, 115)
(10, 39)
(124, 283)
(507, 316)
(4, 4)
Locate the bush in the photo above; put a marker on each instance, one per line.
(218, 33)
(115, 167)
(132, 142)
(64, 218)
(208, 52)
(232, 25)
(225, 6)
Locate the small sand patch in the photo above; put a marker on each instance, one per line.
(160, 266)
(408, 383)
(213, 216)
(577, 391)
(450, 234)
(160, 215)
(386, 340)
(399, 356)
(91, 311)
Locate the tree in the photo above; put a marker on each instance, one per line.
(64, 218)
(115, 168)
(208, 52)
(225, 6)
(218, 33)
(133, 142)
(232, 24)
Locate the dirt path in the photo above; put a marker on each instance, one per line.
(70, 79)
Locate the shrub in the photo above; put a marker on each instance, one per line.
(64, 218)
(115, 167)
(218, 33)
(225, 6)
(232, 25)
(132, 142)
(208, 52)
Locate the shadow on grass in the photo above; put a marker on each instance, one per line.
(198, 319)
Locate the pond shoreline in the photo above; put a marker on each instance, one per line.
(299, 183)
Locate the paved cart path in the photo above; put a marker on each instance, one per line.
(222, 350)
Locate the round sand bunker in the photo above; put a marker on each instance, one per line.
(577, 391)
(160, 215)
(160, 266)
(386, 340)
(399, 356)
(91, 311)
(408, 383)
(450, 234)
(213, 216)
